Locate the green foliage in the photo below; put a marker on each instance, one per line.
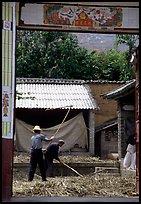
(58, 55)
(130, 41)
(24, 96)
(52, 55)
(111, 65)
(127, 39)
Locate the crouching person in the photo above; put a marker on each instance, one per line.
(52, 152)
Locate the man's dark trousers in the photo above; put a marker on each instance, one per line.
(36, 158)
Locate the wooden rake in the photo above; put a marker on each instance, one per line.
(71, 169)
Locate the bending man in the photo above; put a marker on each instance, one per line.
(52, 152)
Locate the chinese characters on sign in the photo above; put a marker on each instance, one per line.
(6, 104)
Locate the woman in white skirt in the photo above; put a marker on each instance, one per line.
(129, 161)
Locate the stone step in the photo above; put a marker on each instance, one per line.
(107, 170)
(109, 174)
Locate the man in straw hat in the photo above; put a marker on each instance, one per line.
(37, 154)
(52, 152)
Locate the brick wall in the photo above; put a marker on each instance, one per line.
(108, 108)
(109, 142)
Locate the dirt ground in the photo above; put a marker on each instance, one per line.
(90, 185)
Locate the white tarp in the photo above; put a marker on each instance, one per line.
(73, 131)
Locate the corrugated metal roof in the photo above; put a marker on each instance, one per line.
(51, 96)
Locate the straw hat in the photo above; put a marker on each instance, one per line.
(61, 141)
(37, 127)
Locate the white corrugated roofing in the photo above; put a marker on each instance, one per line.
(51, 96)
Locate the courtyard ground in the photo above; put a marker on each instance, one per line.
(88, 185)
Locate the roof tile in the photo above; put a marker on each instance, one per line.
(51, 96)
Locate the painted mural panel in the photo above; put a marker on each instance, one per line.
(6, 103)
(73, 17)
(82, 16)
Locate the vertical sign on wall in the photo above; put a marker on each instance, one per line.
(6, 104)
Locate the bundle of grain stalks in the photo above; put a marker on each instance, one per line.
(88, 185)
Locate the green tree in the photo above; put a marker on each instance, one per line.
(131, 41)
(58, 55)
(50, 54)
(127, 39)
(111, 65)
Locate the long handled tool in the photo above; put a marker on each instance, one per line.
(55, 135)
(71, 169)
(63, 119)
